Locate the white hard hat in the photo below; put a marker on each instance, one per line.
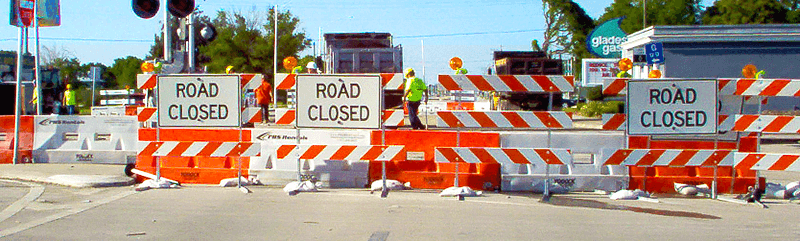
(311, 65)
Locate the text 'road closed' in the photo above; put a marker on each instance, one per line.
(338, 101)
(672, 107)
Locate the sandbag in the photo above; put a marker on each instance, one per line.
(293, 188)
(459, 191)
(390, 185)
(153, 184)
(628, 195)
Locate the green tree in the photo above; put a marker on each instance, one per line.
(123, 72)
(567, 26)
(751, 12)
(69, 69)
(659, 12)
(247, 45)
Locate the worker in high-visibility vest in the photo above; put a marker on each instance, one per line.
(70, 99)
(35, 99)
(414, 89)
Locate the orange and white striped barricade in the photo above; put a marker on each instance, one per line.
(537, 160)
(505, 83)
(767, 161)
(767, 124)
(146, 81)
(199, 149)
(672, 158)
(194, 149)
(147, 116)
(335, 166)
(617, 122)
(669, 157)
(284, 116)
(504, 119)
(390, 81)
(615, 86)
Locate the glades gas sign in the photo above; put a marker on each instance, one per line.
(346, 101)
(672, 107)
(604, 40)
(199, 101)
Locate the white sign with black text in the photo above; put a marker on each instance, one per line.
(199, 101)
(672, 107)
(349, 101)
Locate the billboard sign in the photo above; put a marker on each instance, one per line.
(594, 70)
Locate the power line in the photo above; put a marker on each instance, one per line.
(90, 40)
(470, 34)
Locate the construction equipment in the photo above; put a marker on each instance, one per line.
(363, 53)
(527, 63)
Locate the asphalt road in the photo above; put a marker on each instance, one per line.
(33, 211)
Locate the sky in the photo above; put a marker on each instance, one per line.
(430, 32)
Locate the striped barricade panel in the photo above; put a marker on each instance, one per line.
(342, 152)
(614, 122)
(767, 161)
(284, 116)
(503, 83)
(504, 119)
(247, 81)
(767, 87)
(615, 86)
(250, 81)
(504, 156)
(767, 124)
(663, 157)
(146, 81)
(146, 114)
(284, 81)
(390, 81)
(251, 114)
(199, 149)
(390, 117)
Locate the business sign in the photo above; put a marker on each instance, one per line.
(339, 101)
(654, 53)
(594, 70)
(49, 12)
(199, 101)
(672, 107)
(605, 39)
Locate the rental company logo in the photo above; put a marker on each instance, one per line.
(604, 40)
(47, 122)
(270, 136)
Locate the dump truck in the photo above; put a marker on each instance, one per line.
(365, 53)
(528, 63)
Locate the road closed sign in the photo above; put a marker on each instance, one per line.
(199, 101)
(672, 107)
(339, 101)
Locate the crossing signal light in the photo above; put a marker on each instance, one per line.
(145, 8)
(148, 8)
(180, 8)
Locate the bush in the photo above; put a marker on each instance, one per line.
(596, 108)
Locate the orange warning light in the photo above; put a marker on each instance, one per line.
(749, 71)
(289, 63)
(455, 63)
